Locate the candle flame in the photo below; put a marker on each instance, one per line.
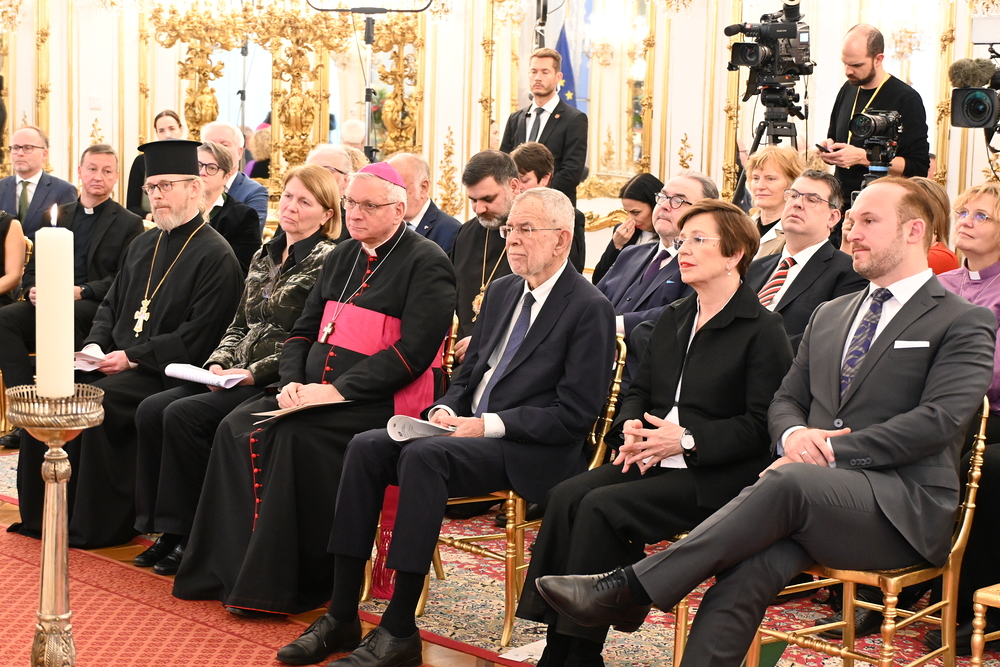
(55, 213)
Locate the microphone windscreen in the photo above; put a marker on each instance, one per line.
(968, 73)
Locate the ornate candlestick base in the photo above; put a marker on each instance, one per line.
(55, 421)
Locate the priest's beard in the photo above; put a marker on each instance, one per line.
(168, 219)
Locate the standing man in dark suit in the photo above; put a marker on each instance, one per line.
(550, 121)
(535, 376)
(646, 277)
(867, 477)
(809, 270)
(30, 190)
(102, 231)
(240, 187)
(422, 214)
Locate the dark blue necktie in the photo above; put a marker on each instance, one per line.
(517, 335)
(863, 337)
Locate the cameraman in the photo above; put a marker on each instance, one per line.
(869, 86)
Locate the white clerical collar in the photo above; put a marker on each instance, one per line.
(373, 252)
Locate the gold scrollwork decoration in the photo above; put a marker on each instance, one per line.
(990, 173)
(595, 223)
(96, 135)
(947, 39)
(684, 154)
(448, 198)
(596, 187)
(943, 110)
(399, 110)
(608, 154)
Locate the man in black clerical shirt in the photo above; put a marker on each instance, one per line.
(171, 301)
(102, 231)
(869, 87)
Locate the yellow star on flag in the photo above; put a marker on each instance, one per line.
(569, 94)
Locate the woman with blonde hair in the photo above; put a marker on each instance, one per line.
(940, 257)
(771, 171)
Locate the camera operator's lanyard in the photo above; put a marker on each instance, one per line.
(854, 109)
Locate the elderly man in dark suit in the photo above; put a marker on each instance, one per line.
(550, 121)
(422, 214)
(809, 270)
(30, 191)
(535, 376)
(102, 231)
(867, 477)
(240, 187)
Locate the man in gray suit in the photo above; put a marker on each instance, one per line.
(868, 424)
(30, 190)
(240, 186)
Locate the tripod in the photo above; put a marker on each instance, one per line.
(779, 103)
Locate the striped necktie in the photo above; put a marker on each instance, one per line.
(863, 337)
(767, 294)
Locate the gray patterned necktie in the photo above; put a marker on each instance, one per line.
(863, 337)
(517, 335)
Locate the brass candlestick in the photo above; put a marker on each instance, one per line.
(55, 421)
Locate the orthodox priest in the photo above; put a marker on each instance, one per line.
(171, 302)
(361, 351)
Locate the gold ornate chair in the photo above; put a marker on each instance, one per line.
(515, 508)
(892, 582)
(981, 599)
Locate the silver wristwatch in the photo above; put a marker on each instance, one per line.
(687, 441)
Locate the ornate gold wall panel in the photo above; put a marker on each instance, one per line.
(448, 198)
(43, 85)
(732, 109)
(947, 49)
(146, 132)
(400, 112)
(6, 53)
(486, 98)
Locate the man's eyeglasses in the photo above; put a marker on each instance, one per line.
(334, 170)
(977, 218)
(811, 200)
(698, 241)
(524, 230)
(26, 149)
(366, 206)
(208, 168)
(162, 186)
(675, 201)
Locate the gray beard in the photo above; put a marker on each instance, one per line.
(168, 222)
(495, 223)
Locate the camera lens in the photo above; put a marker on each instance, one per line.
(863, 126)
(979, 107)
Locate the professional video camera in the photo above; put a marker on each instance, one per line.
(880, 131)
(777, 58)
(975, 101)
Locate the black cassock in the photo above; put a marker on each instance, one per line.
(187, 317)
(467, 254)
(263, 523)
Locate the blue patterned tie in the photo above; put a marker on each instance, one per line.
(862, 340)
(517, 335)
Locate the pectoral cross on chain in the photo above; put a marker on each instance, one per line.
(327, 330)
(141, 315)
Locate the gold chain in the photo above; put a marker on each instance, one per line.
(146, 297)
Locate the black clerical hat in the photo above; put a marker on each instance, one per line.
(171, 156)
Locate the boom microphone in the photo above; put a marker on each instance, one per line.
(968, 73)
(792, 13)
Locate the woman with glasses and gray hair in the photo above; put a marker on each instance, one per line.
(176, 427)
(691, 432)
(238, 223)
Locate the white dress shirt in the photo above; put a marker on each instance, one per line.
(801, 258)
(413, 224)
(32, 185)
(493, 425)
(548, 108)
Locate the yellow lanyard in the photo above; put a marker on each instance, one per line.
(854, 109)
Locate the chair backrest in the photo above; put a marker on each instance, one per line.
(448, 355)
(968, 506)
(595, 441)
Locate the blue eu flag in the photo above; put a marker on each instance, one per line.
(568, 83)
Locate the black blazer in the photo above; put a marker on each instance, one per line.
(610, 255)
(113, 231)
(565, 134)
(553, 389)
(829, 273)
(50, 190)
(133, 191)
(240, 225)
(734, 365)
(439, 227)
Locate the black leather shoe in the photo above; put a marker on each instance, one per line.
(161, 549)
(169, 564)
(866, 622)
(12, 440)
(594, 600)
(963, 638)
(380, 649)
(326, 635)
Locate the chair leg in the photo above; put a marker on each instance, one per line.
(949, 621)
(438, 566)
(366, 590)
(978, 630)
(422, 602)
(850, 590)
(753, 654)
(890, 601)
(510, 571)
(680, 629)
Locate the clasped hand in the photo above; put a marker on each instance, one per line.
(295, 393)
(808, 445)
(646, 447)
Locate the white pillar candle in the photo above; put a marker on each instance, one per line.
(54, 310)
